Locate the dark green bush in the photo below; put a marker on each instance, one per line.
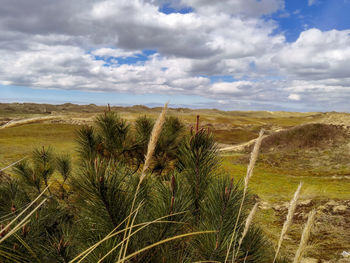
(184, 186)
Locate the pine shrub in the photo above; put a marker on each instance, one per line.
(87, 206)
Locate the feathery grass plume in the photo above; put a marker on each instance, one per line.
(253, 158)
(247, 225)
(304, 237)
(289, 219)
(157, 128)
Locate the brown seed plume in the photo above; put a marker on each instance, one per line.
(153, 140)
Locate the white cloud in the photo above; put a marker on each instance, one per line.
(294, 96)
(232, 87)
(54, 44)
(112, 52)
(316, 55)
(244, 7)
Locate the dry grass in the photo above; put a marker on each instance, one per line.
(289, 219)
(253, 159)
(304, 136)
(248, 222)
(14, 123)
(153, 140)
(305, 237)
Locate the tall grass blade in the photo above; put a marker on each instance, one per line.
(12, 164)
(143, 225)
(162, 242)
(86, 252)
(27, 247)
(22, 222)
(20, 214)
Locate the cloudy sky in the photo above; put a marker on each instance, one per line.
(226, 54)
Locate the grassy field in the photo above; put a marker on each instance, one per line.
(276, 186)
(270, 183)
(18, 142)
(324, 170)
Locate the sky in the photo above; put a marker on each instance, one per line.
(291, 55)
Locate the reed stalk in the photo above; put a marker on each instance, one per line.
(305, 237)
(289, 219)
(248, 222)
(157, 128)
(253, 158)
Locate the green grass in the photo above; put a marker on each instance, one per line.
(275, 186)
(270, 183)
(19, 141)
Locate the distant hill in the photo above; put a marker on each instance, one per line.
(318, 135)
(34, 108)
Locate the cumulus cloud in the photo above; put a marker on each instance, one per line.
(78, 45)
(317, 61)
(237, 87)
(317, 55)
(243, 7)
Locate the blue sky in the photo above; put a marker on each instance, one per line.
(322, 14)
(232, 55)
(57, 96)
